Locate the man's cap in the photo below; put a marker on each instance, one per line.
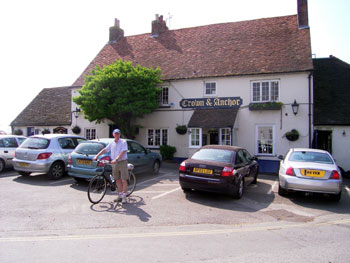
(116, 131)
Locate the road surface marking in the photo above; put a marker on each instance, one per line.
(166, 193)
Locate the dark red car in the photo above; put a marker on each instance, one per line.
(219, 168)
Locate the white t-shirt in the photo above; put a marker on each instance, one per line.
(116, 148)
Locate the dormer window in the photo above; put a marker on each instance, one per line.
(210, 89)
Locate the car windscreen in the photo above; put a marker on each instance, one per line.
(35, 143)
(89, 148)
(305, 156)
(215, 155)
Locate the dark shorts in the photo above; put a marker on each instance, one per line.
(120, 170)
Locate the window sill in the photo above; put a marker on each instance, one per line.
(265, 106)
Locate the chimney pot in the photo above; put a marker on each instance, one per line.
(303, 19)
(115, 32)
(158, 26)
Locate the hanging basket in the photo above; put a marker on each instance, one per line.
(76, 129)
(181, 129)
(292, 135)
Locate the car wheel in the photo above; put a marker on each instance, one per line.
(256, 177)
(24, 173)
(56, 171)
(240, 188)
(185, 190)
(2, 166)
(156, 167)
(336, 197)
(281, 190)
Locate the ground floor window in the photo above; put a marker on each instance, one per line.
(157, 137)
(265, 139)
(195, 137)
(90, 134)
(225, 136)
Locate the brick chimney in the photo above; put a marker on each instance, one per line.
(303, 18)
(115, 32)
(158, 26)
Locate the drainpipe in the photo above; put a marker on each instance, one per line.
(310, 110)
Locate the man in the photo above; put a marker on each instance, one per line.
(118, 149)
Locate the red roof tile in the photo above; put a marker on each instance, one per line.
(269, 45)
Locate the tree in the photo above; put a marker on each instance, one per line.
(121, 93)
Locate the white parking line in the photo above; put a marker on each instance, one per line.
(272, 188)
(62, 181)
(166, 193)
(153, 179)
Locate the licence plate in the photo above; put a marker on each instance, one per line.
(312, 173)
(202, 171)
(23, 164)
(84, 162)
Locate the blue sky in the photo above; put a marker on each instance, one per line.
(48, 44)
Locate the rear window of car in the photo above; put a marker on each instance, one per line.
(215, 155)
(310, 157)
(35, 143)
(89, 148)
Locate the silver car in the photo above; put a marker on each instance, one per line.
(8, 145)
(46, 154)
(310, 170)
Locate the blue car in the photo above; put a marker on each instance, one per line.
(81, 165)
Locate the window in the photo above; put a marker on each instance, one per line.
(210, 89)
(90, 134)
(265, 140)
(157, 137)
(8, 143)
(136, 148)
(225, 136)
(267, 90)
(66, 143)
(195, 136)
(164, 96)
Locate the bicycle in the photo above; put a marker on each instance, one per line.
(100, 183)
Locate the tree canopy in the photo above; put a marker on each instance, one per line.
(121, 93)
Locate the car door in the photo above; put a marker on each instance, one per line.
(137, 155)
(251, 165)
(242, 166)
(8, 147)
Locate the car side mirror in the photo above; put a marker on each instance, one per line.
(280, 157)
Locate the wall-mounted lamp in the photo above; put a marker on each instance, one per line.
(344, 133)
(295, 107)
(76, 112)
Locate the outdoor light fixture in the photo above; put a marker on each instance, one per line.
(295, 107)
(76, 112)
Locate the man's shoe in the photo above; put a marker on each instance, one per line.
(124, 199)
(118, 199)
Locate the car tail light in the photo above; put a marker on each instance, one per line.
(102, 162)
(182, 167)
(44, 156)
(290, 171)
(70, 159)
(228, 171)
(335, 175)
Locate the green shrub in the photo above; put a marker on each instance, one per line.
(167, 151)
(18, 132)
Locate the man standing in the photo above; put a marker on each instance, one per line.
(118, 149)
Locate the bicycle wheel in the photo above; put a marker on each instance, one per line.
(97, 189)
(131, 183)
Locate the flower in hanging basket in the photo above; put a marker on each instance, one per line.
(18, 132)
(292, 135)
(45, 131)
(76, 129)
(181, 129)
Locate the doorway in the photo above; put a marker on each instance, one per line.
(323, 140)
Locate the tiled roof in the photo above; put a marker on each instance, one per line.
(269, 45)
(331, 91)
(213, 118)
(51, 107)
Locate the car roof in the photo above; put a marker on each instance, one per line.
(55, 135)
(11, 136)
(222, 147)
(308, 150)
(108, 140)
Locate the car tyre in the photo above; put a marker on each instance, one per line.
(156, 167)
(24, 173)
(185, 190)
(2, 166)
(238, 193)
(256, 177)
(56, 171)
(282, 191)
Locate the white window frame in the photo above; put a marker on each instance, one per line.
(164, 96)
(163, 138)
(90, 133)
(205, 88)
(271, 142)
(226, 132)
(195, 132)
(262, 95)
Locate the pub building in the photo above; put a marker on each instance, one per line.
(243, 83)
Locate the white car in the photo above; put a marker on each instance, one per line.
(310, 170)
(8, 145)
